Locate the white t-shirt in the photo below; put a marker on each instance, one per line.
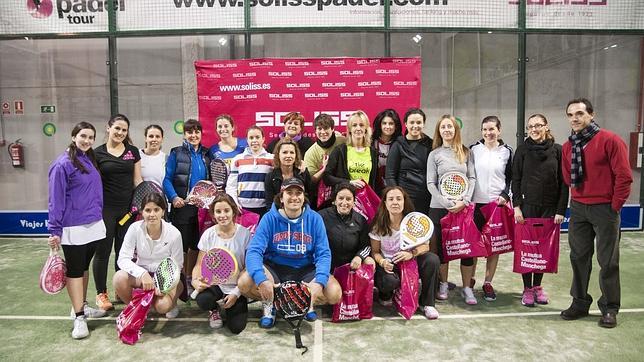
(83, 234)
(389, 244)
(237, 245)
(149, 252)
(153, 167)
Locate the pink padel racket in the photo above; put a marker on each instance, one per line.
(218, 266)
(52, 275)
(202, 194)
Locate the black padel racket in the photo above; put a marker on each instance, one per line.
(292, 300)
(144, 189)
(219, 174)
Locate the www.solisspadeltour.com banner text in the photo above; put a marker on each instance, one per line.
(77, 16)
(261, 91)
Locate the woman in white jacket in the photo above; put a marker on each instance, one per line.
(152, 240)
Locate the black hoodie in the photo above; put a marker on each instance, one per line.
(407, 168)
(348, 236)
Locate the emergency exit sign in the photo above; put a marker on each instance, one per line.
(47, 109)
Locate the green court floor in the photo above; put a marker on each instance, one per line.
(35, 326)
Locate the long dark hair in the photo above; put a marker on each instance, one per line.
(73, 150)
(377, 124)
(121, 117)
(381, 222)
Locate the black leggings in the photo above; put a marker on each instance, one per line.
(436, 215)
(428, 265)
(236, 316)
(534, 279)
(77, 258)
(114, 233)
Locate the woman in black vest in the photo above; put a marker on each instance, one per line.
(187, 164)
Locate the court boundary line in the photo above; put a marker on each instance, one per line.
(415, 317)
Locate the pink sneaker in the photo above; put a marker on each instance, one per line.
(528, 297)
(541, 295)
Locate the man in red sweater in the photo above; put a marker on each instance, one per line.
(595, 166)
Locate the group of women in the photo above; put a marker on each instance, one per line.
(403, 168)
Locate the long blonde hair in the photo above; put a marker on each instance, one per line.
(457, 144)
(368, 132)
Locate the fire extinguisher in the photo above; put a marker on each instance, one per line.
(16, 153)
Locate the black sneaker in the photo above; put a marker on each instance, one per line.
(573, 313)
(488, 292)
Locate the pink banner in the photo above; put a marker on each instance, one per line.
(262, 91)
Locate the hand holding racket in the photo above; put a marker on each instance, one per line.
(166, 276)
(202, 194)
(144, 189)
(453, 185)
(292, 300)
(218, 266)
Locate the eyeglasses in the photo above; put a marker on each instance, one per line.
(535, 126)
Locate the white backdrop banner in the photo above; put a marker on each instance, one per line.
(78, 16)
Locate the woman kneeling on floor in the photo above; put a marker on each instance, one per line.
(153, 239)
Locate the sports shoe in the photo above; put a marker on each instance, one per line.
(468, 296)
(89, 312)
(268, 319)
(173, 313)
(103, 301)
(443, 291)
(488, 292)
(430, 312)
(311, 316)
(385, 302)
(541, 295)
(80, 330)
(528, 297)
(214, 319)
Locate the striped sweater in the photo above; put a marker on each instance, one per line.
(246, 179)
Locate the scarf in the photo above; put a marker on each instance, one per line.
(539, 149)
(330, 142)
(578, 141)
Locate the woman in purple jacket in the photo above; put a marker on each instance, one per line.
(76, 219)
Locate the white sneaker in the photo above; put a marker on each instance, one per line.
(173, 313)
(89, 312)
(80, 328)
(468, 295)
(430, 312)
(443, 291)
(214, 319)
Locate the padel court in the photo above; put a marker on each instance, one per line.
(35, 326)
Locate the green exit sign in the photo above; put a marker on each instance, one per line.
(47, 109)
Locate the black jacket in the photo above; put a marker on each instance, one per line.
(348, 236)
(407, 168)
(273, 184)
(537, 179)
(337, 171)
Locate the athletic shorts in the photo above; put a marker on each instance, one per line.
(78, 257)
(282, 273)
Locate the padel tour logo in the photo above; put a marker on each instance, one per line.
(40, 9)
(74, 11)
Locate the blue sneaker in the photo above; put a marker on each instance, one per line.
(311, 316)
(268, 319)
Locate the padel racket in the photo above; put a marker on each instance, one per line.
(218, 266)
(219, 174)
(415, 229)
(52, 275)
(166, 276)
(292, 300)
(453, 185)
(144, 189)
(202, 194)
